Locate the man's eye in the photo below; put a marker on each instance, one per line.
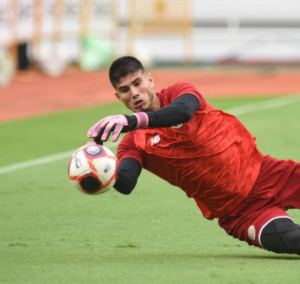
(137, 83)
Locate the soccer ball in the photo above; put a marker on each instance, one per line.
(92, 169)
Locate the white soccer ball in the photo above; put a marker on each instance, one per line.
(93, 169)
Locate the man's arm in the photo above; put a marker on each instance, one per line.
(128, 172)
(181, 110)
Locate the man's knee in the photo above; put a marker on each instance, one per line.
(281, 235)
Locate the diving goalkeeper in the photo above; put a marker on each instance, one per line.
(177, 135)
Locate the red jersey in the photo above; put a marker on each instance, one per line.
(212, 157)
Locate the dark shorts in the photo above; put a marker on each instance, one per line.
(276, 189)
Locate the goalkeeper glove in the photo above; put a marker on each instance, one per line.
(116, 124)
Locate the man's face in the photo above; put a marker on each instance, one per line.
(135, 90)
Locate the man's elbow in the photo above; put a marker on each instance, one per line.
(186, 115)
(124, 190)
(125, 184)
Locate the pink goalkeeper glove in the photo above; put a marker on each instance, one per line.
(117, 123)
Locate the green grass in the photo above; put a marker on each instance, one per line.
(52, 233)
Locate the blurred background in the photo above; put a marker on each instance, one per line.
(52, 34)
(70, 40)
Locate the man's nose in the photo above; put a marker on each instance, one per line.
(134, 92)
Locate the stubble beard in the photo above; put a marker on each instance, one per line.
(150, 103)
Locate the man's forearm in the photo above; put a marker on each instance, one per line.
(128, 172)
(180, 111)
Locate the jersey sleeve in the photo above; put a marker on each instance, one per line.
(128, 149)
(179, 89)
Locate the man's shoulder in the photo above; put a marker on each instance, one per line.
(174, 91)
(168, 95)
(177, 86)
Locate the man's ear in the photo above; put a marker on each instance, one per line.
(150, 79)
(117, 95)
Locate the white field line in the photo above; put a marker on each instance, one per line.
(45, 160)
(240, 110)
(269, 104)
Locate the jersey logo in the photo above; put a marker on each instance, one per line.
(251, 232)
(155, 140)
(177, 125)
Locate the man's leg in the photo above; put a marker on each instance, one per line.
(281, 235)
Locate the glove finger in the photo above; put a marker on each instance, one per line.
(116, 132)
(92, 129)
(107, 130)
(90, 132)
(98, 139)
(99, 128)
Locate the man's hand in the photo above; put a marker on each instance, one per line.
(105, 126)
(116, 124)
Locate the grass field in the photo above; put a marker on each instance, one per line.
(52, 233)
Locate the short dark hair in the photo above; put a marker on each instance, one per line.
(123, 66)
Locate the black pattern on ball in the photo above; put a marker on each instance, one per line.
(90, 184)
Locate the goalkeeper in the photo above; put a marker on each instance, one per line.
(177, 135)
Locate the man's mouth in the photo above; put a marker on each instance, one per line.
(138, 103)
